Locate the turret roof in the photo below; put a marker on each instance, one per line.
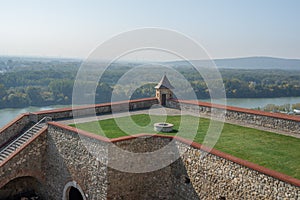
(164, 83)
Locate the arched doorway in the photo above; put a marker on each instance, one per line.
(73, 191)
(74, 194)
(22, 187)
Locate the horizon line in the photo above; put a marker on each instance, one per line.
(82, 58)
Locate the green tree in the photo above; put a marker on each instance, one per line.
(62, 90)
(103, 93)
(296, 106)
(34, 95)
(2, 91)
(144, 91)
(16, 100)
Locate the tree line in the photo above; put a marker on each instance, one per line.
(22, 88)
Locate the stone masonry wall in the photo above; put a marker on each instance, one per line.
(68, 160)
(13, 128)
(243, 116)
(170, 182)
(214, 176)
(28, 162)
(194, 177)
(97, 109)
(63, 154)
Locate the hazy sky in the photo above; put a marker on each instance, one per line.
(226, 28)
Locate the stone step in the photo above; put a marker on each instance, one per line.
(20, 141)
(6, 153)
(26, 137)
(31, 131)
(36, 128)
(40, 125)
(12, 148)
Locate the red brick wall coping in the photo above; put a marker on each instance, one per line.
(43, 130)
(7, 126)
(12, 122)
(196, 145)
(93, 106)
(81, 132)
(243, 110)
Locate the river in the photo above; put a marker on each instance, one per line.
(8, 114)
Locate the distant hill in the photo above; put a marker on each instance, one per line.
(245, 63)
(8, 63)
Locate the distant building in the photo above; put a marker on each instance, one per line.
(164, 90)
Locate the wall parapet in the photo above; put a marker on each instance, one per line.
(25, 161)
(13, 129)
(275, 121)
(97, 109)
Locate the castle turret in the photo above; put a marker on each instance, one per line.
(163, 90)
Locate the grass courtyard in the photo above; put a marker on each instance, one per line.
(278, 152)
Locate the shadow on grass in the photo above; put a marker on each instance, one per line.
(173, 131)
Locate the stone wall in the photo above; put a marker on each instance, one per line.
(214, 176)
(25, 162)
(170, 182)
(14, 128)
(274, 121)
(68, 160)
(97, 109)
(21, 188)
(62, 154)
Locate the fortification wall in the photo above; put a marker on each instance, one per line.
(216, 175)
(13, 128)
(68, 160)
(224, 176)
(274, 121)
(97, 109)
(169, 182)
(24, 162)
(60, 157)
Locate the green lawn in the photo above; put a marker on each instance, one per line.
(274, 151)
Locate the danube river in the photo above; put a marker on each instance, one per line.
(8, 114)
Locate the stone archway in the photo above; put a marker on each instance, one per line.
(73, 191)
(21, 187)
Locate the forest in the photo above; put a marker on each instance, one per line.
(49, 83)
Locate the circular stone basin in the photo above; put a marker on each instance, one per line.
(163, 127)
